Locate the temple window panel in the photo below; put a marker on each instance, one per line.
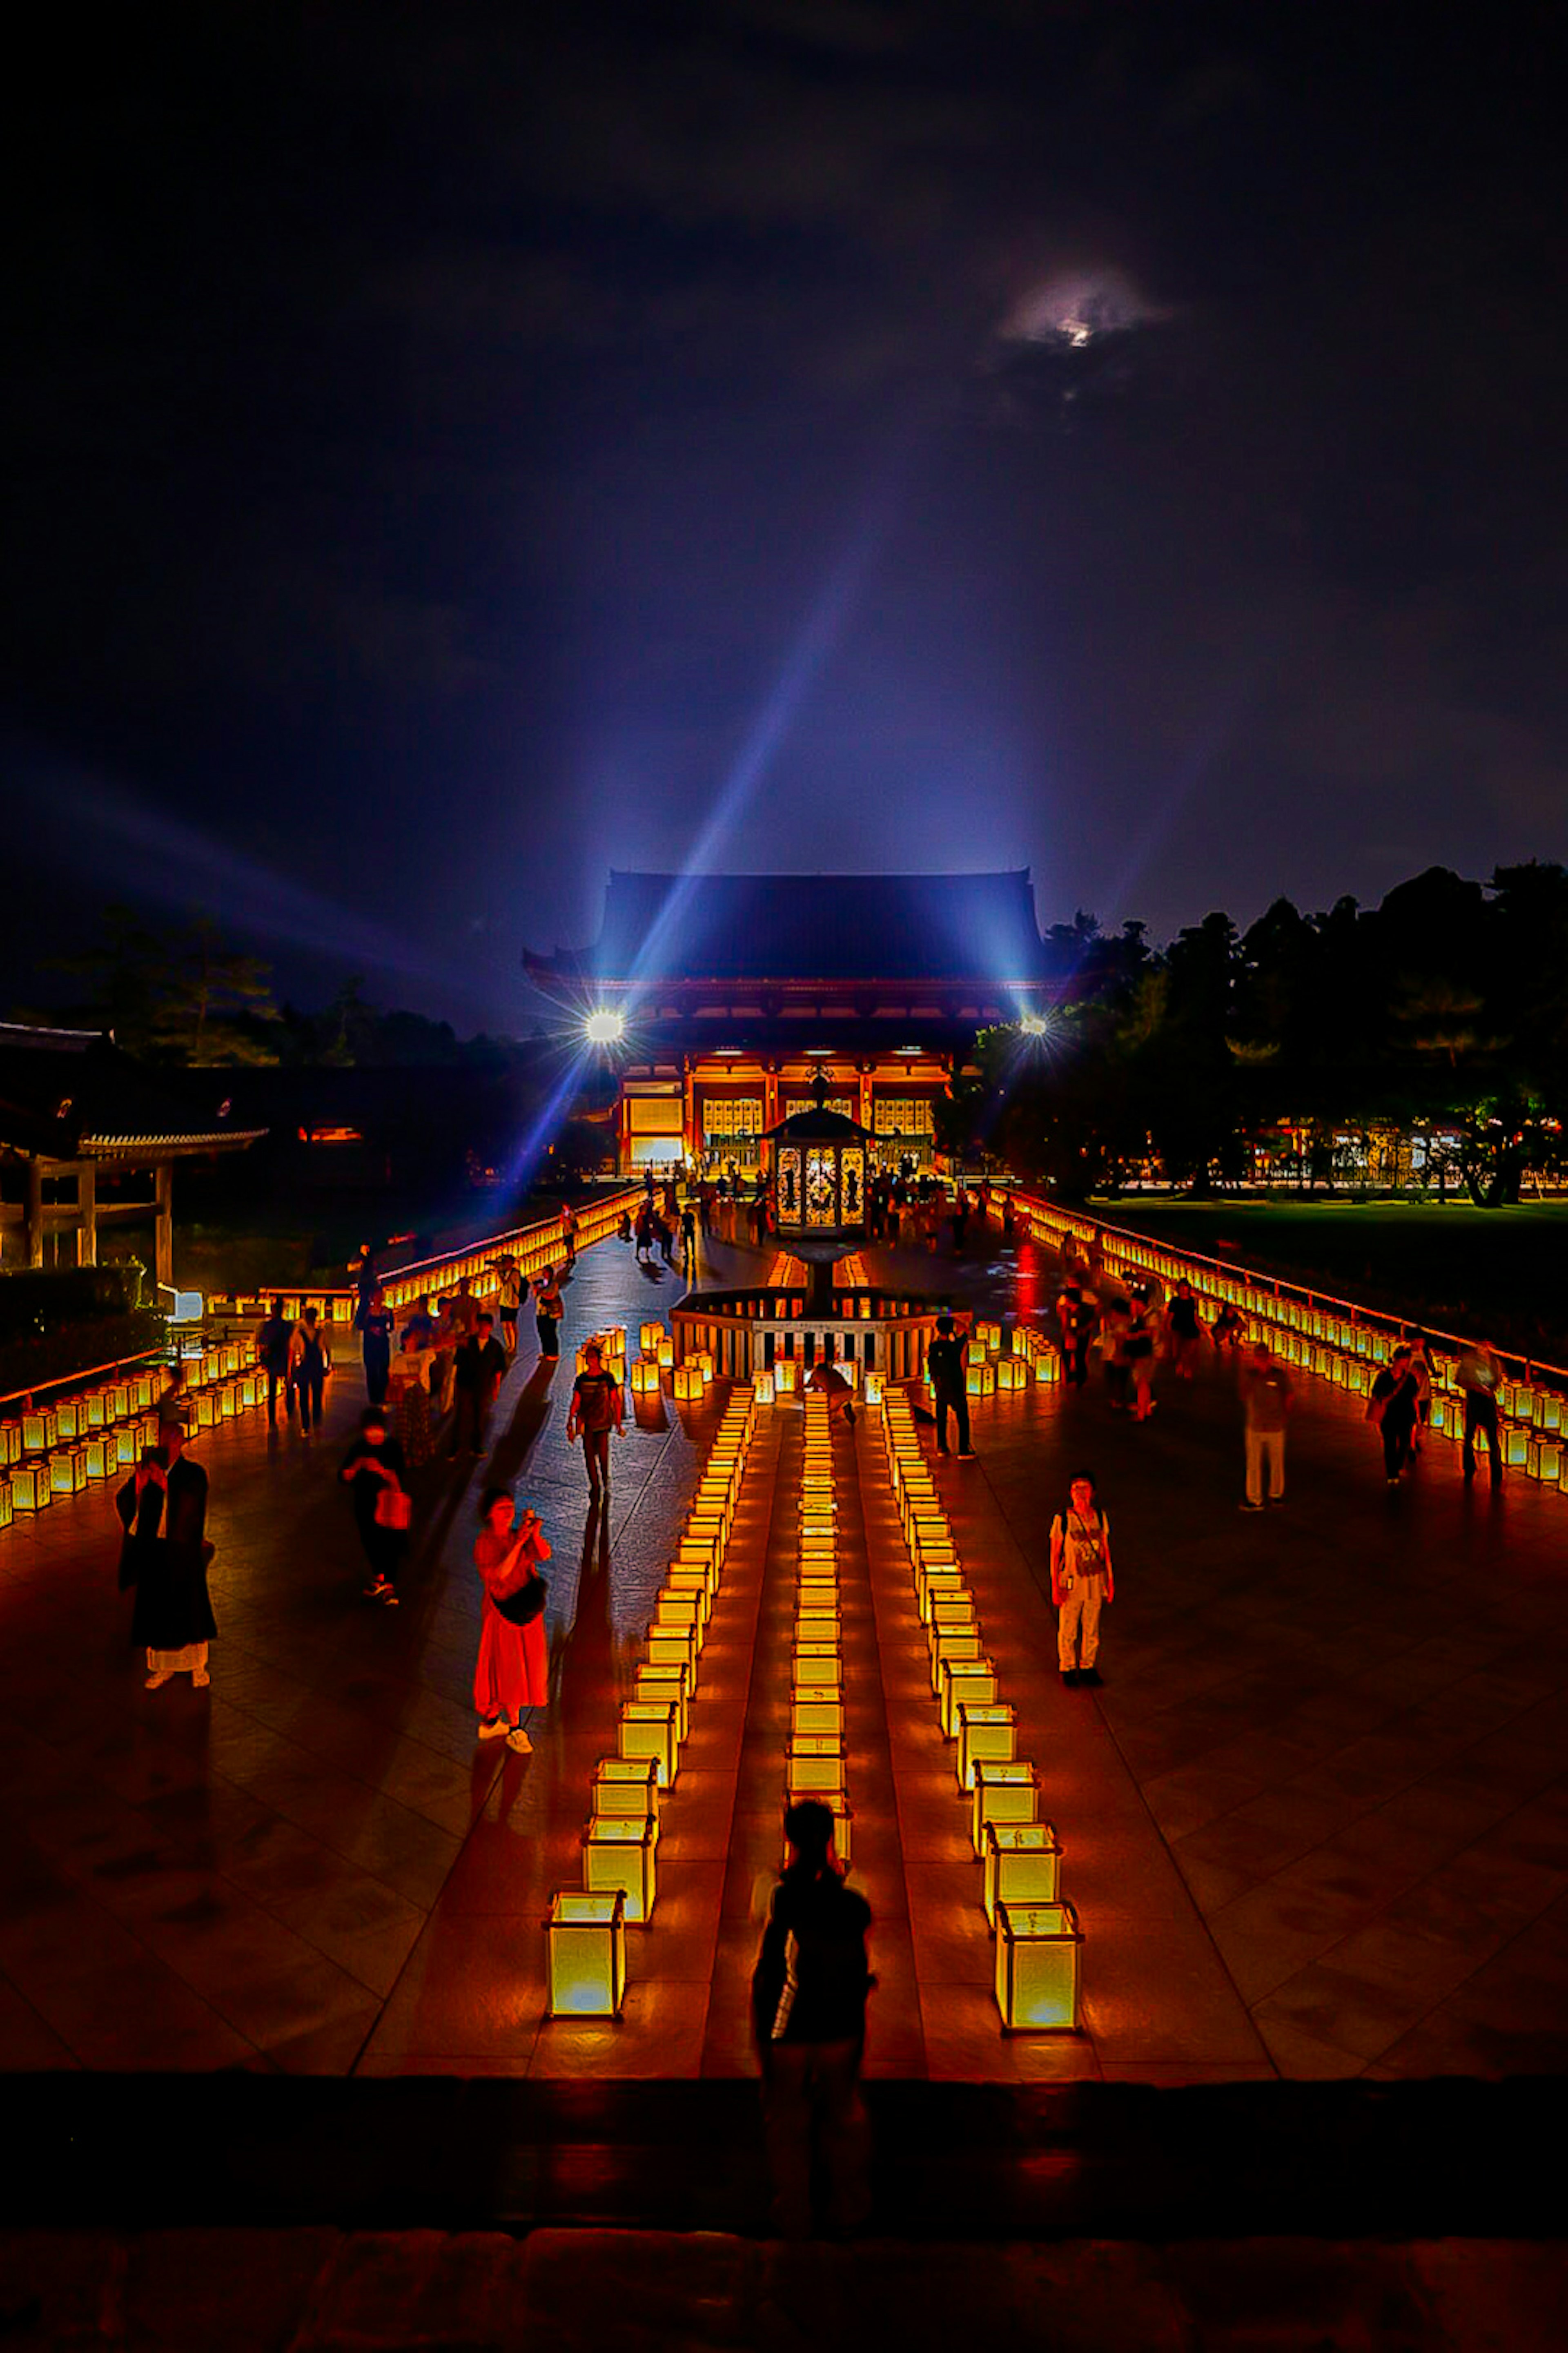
(901, 1115)
(726, 1116)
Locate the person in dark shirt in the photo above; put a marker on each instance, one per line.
(375, 1333)
(477, 1373)
(1185, 1329)
(944, 1363)
(373, 1468)
(596, 1409)
(1392, 1406)
(272, 1356)
(162, 1508)
(808, 2009)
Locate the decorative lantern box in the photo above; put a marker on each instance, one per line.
(122, 1444)
(817, 1708)
(626, 1787)
(965, 1645)
(652, 1338)
(1515, 1446)
(7, 1509)
(696, 1581)
(30, 1486)
(988, 1335)
(41, 1430)
(1007, 1790)
(620, 1854)
(674, 1646)
(1011, 1373)
(63, 1470)
(666, 1683)
(938, 1585)
(762, 1387)
(814, 1764)
(586, 1955)
(786, 1377)
(1443, 1420)
(644, 1377)
(10, 1443)
(665, 1355)
(985, 1728)
(814, 1628)
(979, 1380)
(101, 1453)
(687, 1384)
(873, 1389)
(1022, 1865)
(971, 1680)
(1038, 1948)
(204, 1408)
(816, 1663)
(647, 1728)
(1548, 1409)
(69, 1418)
(1546, 1460)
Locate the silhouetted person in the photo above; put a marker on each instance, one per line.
(309, 1362)
(1480, 1378)
(944, 1364)
(808, 2009)
(272, 1356)
(477, 1371)
(162, 1508)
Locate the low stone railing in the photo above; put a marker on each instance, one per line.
(749, 1331)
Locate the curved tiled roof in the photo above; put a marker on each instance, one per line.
(933, 928)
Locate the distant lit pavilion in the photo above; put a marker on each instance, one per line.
(726, 993)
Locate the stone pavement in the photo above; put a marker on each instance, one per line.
(324, 2291)
(1316, 1823)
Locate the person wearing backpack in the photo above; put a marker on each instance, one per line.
(808, 2007)
(1081, 1580)
(596, 1409)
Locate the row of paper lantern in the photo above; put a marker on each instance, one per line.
(1038, 1941)
(98, 1434)
(532, 1249)
(586, 1929)
(1533, 1418)
(995, 1368)
(815, 1760)
(786, 1377)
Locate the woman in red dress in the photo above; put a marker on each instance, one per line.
(513, 1671)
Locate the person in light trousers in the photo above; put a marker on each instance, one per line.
(1267, 1398)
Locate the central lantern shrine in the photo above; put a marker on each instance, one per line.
(818, 1166)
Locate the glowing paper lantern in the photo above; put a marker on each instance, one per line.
(665, 1353)
(1022, 1865)
(204, 1405)
(816, 1663)
(817, 1708)
(1515, 1446)
(619, 1854)
(672, 1684)
(786, 1377)
(586, 1955)
(142, 1392)
(813, 1766)
(1007, 1790)
(41, 1430)
(30, 1486)
(985, 1728)
(627, 1787)
(101, 1453)
(10, 1443)
(678, 1645)
(7, 1509)
(971, 1680)
(644, 1377)
(1546, 1460)
(66, 1472)
(67, 1416)
(1038, 1967)
(979, 1380)
(762, 1387)
(687, 1384)
(647, 1728)
(949, 1645)
(1011, 1373)
(652, 1337)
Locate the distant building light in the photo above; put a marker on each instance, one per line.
(909, 1049)
(1034, 1025)
(604, 1029)
(330, 1135)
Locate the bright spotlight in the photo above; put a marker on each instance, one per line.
(604, 1029)
(1034, 1025)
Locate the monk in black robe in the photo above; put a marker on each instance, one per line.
(162, 1507)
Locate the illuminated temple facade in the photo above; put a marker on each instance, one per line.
(734, 990)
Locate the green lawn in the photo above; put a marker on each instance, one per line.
(1489, 1272)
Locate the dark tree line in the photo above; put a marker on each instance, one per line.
(1434, 1028)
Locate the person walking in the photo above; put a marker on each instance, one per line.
(1075, 1325)
(272, 1356)
(1480, 1376)
(373, 1469)
(309, 1362)
(375, 1331)
(1267, 1398)
(1081, 1580)
(511, 1301)
(596, 1409)
(1392, 1405)
(409, 1394)
(1185, 1328)
(513, 1670)
(809, 1991)
(477, 1372)
(688, 1240)
(162, 1507)
(946, 1368)
(1421, 1365)
(547, 1313)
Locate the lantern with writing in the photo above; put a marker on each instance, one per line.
(1022, 1865)
(619, 1853)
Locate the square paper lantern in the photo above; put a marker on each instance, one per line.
(1443, 1417)
(10, 1443)
(687, 1384)
(985, 1728)
(68, 1414)
(620, 1854)
(696, 1581)
(1010, 1373)
(123, 1443)
(1022, 1865)
(666, 1683)
(30, 1486)
(586, 1955)
(1548, 1409)
(647, 1728)
(7, 1509)
(814, 1764)
(205, 1402)
(1038, 1953)
(626, 1787)
(1515, 1446)
(817, 1662)
(644, 1377)
(973, 1680)
(762, 1387)
(61, 1468)
(873, 1389)
(949, 1645)
(1546, 1460)
(101, 1453)
(786, 1377)
(817, 1708)
(938, 1585)
(979, 1380)
(665, 1355)
(142, 1392)
(1007, 1790)
(651, 1337)
(673, 1645)
(41, 1430)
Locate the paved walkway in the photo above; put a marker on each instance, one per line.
(1315, 1822)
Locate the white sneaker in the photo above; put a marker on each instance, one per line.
(496, 1731)
(519, 1742)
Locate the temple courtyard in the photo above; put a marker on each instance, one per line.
(1314, 1824)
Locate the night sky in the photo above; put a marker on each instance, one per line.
(456, 451)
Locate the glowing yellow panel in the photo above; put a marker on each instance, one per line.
(1038, 1948)
(1023, 1866)
(586, 1956)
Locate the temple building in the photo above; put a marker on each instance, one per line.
(719, 998)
